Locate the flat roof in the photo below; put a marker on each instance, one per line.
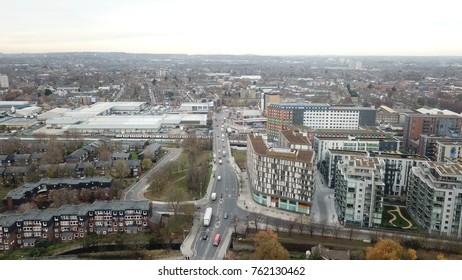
(260, 148)
(435, 111)
(446, 168)
(295, 138)
(101, 122)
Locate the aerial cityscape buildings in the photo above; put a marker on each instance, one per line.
(360, 136)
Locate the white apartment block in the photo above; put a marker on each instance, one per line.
(434, 197)
(359, 191)
(331, 118)
(447, 151)
(4, 83)
(397, 169)
(280, 177)
(350, 143)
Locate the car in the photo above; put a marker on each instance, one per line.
(219, 178)
(216, 240)
(205, 237)
(225, 216)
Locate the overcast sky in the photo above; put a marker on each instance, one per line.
(261, 27)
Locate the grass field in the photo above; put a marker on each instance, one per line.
(178, 175)
(240, 156)
(389, 213)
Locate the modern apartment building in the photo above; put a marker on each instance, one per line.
(317, 116)
(434, 198)
(353, 140)
(431, 122)
(71, 222)
(280, 177)
(447, 150)
(427, 145)
(396, 169)
(293, 139)
(359, 191)
(386, 115)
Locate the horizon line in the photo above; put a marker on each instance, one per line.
(228, 54)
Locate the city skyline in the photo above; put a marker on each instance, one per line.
(291, 27)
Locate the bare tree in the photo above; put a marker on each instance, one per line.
(302, 222)
(257, 219)
(350, 233)
(311, 225)
(235, 222)
(64, 196)
(55, 152)
(290, 224)
(336, 229)
(278, 224)
(176, 196)
(322, 228)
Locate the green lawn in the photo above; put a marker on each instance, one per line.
(399, 222)
(178, 175)
(240, 156)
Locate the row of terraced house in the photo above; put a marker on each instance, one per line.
(71, 222)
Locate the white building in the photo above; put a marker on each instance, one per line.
(350, 143)
(317, 116)
(4, 83)
(448, 151)
(434, 198)
(397, 169)
(280, 177)
(194, 108)
(359, 191)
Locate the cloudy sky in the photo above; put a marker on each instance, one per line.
(262, 27)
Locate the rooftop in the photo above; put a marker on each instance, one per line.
(260, 148)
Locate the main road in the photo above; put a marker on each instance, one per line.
(227, 193)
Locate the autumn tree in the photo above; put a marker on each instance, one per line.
(441, 257)
(74, 140)
(267, 247)
(388, 249)
(55, 152)
(146, 163)
(121, 169)
(64, 196)
(89, 170)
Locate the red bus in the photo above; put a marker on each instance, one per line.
(217, 239)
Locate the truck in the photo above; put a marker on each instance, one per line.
(214, 196)
(207, 216)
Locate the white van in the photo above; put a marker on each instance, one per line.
(219, 178)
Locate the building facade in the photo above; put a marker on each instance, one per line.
(72, 222)
(280, 177)
(317, 116)
(352, 140)
(430, 122)
(359, 191)
(434, 198)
